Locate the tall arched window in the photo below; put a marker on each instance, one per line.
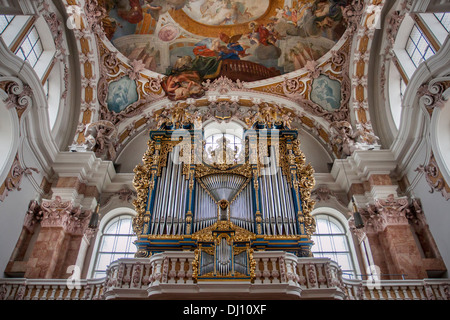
(116, 242)
(331, 241)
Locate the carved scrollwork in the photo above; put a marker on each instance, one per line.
(143, 182)
(434, 178)
(14, 178)
(59, 213)
(431, 94)
(18, 95)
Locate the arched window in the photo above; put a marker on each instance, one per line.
(115, 242)
(331, 241)
(223, 142)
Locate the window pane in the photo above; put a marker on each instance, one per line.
(20, 54)
(316, 247)
(32, 59)
(410, 47)
(340, 243)
(26, 46)
(415, 35)
(444, 19)
(321, 226)
(326, 243)
(103, 261)
(118, 256)
(334, 228)
(107, 244)
(122, 244)
(5, 20)
(38, 49)
(112, 229)
(125, 226)
(343, 261)
(33, 36)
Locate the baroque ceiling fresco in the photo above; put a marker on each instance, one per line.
(290, 61)
(280, 35)
(193, 40)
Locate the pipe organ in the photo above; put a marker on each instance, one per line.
(223, 210)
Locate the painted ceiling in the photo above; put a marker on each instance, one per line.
(234, 58)
(275, 36)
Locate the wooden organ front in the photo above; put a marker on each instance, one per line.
(223, 203)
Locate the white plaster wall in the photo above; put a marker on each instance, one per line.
(13, 209)
(437, 213)
(12, 214)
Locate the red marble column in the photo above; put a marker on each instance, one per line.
(56, 247)
(392, 242)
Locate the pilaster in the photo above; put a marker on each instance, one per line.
(396, 250)
(56, 232)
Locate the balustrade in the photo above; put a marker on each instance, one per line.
(311, 278)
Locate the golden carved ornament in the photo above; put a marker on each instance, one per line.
(240, 234)
(143, 182)
(202, 170)
(305, 182)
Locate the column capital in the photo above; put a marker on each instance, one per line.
(59, 213)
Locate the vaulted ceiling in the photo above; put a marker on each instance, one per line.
(302, 62)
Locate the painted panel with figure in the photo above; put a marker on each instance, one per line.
(326, 93)
(121, 94)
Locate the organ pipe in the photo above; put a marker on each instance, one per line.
(277, 208)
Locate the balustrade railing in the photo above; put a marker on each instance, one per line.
(51, 289)
(309, 278)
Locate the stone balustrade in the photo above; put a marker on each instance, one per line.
(427, 289)
(51, 289)
(171, 275)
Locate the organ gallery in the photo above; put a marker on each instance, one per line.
(224, 202)
(224, 150)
